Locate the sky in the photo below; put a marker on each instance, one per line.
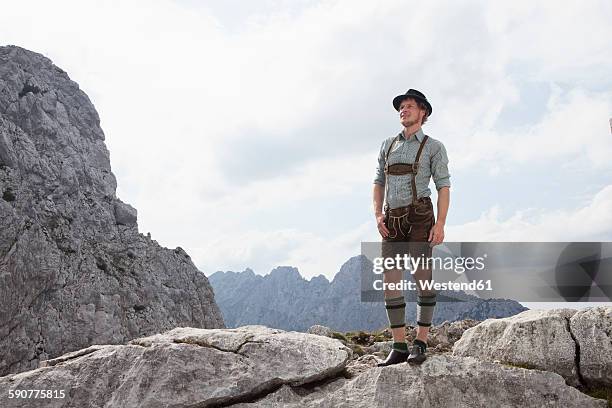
(247, 132)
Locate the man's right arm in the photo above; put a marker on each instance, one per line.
(378, 199)
(378, 194)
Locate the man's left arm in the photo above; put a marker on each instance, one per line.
(436, 235)
(441, 177)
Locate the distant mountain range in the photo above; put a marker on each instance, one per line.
(284, 299)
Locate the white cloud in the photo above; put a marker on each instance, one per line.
(574, 127)
(264, 250)
(217, 234)
(324, 178)
(558, 43)
(589, 223)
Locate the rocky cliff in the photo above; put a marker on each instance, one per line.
(284, 299)
(74, 270)
(559, 358)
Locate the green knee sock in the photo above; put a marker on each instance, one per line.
(400, 346)
(425, 309)
(421, 344)
(396, 311)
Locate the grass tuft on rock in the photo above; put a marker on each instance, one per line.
(339, 336)
(604, 393)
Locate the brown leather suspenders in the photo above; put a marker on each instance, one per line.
(400, 169)
(415, 169)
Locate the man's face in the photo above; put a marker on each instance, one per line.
(410, 113)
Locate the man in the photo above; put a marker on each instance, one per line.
(405, 165)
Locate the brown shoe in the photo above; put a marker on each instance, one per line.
(394, 357)
(417, 354)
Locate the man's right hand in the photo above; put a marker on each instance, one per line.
(382, 228)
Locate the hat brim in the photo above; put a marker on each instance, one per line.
(399, 98)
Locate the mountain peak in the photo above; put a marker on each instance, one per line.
(286, 272)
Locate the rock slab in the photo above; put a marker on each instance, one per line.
(441, 381)
(184, 367)
(256, 366)
(574, 344)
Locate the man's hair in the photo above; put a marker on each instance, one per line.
(424, 107)
(421, 106)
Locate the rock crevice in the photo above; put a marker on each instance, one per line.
(576, 354)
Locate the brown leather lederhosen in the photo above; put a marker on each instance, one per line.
(400, 169)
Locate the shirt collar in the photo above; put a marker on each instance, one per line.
(419, 135)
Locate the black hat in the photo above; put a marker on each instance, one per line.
(412, 93)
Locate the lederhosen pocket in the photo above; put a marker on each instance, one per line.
(421, 217)
(398, 225)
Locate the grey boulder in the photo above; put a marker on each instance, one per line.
(320, 330)
(592, 330)
(125, 214)
(184, 367)
(575, 344)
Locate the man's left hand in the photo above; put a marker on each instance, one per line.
(436, 235)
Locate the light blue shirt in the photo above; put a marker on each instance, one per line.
(432, 164)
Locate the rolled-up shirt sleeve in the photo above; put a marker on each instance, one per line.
(380, 168)
(439, 168)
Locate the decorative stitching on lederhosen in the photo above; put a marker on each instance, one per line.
(393, 219)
